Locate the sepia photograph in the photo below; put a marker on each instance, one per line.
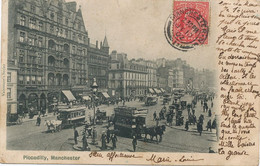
(143, 81)
(68, 91)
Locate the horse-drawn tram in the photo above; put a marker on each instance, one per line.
(72, 116)
(129, 121)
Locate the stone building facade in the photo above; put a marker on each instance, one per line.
(127, 78)
(50, 43)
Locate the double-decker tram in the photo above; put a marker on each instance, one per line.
(72, 116)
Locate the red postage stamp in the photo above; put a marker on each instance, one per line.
(189, 24)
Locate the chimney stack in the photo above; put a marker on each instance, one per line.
(101, 45)
(96, 44)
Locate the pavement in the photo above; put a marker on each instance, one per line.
(28, 136)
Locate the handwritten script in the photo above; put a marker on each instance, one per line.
(238, 58)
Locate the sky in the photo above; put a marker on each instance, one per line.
(136, 27)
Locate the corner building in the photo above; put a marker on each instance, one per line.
(50, 43)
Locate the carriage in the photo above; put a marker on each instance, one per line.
(151, 101)
(129, 121)
(101, 116)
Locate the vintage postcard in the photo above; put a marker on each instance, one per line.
(136, 82)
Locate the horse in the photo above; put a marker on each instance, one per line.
(154, 132)
(53, 126)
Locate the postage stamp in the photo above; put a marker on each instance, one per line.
(188, 25)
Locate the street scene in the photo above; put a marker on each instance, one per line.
(31, 136)
(68, 91)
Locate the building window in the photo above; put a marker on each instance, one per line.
(73, 49)
(22, 20)
(33, 79)
(20, 79)
(9, 108)
(39, 79)
(40, 41)
(80, 37)
(22, 37)
(8, 93)
(51, 28)
(40, 26)
(39, 58)
(21, 55)
(59, 19)
(52, 15)
(33, 9)
(27, 79)
(66, 21)
(32, 39)
(79, 26)
(32, 23)
(9, 77)
(67, 33)
(73, 36)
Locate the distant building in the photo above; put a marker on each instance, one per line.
(126, 78)
(98, 58)
(166, 74)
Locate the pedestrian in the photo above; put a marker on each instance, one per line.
(76, 135)
(134, 142)
(103, 141)
(187, 125)
(211, 104)
(210, 150)
(84, 141)
(209, 125)
(213, 126)
(193, 111)
(157, 121)
(114, 140)
(38, 121)
(209, 113)
(200, 128)
(108, 134)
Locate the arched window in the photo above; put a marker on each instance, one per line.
(51, 78)
(51, 45)
(66, 63)
(51, 61)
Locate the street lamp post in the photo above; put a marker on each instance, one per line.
(94, 88)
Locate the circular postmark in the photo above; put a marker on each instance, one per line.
(185, 29)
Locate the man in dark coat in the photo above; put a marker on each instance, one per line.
(84, 141)
(134, 142)
(76, 135)
(38, 123)
(103, 141)
(209, 127)
(200, 128)
(114, 140)
(187, 125)
(209, 113)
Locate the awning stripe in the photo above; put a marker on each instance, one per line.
(69, 95)
(105, 94)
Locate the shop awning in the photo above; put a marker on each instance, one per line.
(157, 90)
(86, 97)
(162, 90)
(151, 90)
(69, 95)
(105, 94)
